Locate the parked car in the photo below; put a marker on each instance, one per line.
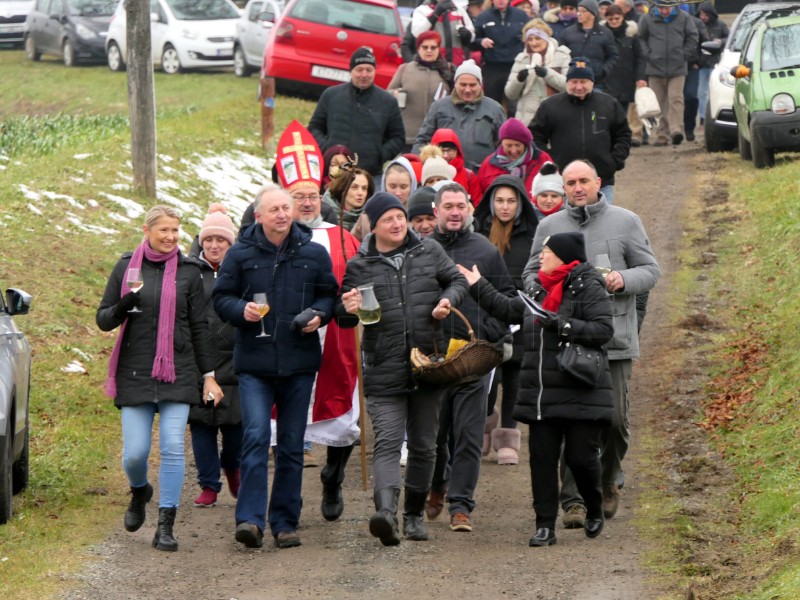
(185, 34)
(75, 30)
(12, 21)
(719, 124)
(311, 44)
(767, 91)
(252, 30)
(15, 376)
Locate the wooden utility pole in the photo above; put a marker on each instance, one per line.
(141, 96)
(266, 96)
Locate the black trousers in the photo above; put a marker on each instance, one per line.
(582, 455)
(333, 471)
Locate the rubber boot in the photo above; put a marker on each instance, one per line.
(163, 539)
(383, 524)
(491, 423)
(134, 516)
(332, 476)
(505, 441)
(413, 517)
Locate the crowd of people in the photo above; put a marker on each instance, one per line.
(482, 179)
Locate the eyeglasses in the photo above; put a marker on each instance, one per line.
(449, 150)
(305, 197)
(429, 48)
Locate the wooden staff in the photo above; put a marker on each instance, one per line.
(361, 410)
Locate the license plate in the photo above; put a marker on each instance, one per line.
(330, 73)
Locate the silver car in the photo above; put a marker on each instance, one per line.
(15, 375)
(252, 30)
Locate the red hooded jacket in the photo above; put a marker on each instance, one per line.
(464, 176)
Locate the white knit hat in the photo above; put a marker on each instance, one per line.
(436, 166)
(468, 67)
(217, 222)
(548, 179)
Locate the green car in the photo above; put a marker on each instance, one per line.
(767, 91)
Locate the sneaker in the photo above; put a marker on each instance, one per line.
(677, 139)
(404, 454)
(206, 499)
(232, 475)
(575, 516)
(287, 539)
(460, 522)
(434, 504)
(309, 460)
(610, 500)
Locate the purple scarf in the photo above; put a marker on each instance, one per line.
(164, 363)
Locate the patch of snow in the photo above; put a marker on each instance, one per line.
(74, 366)
(133, 209)
(82, 156)
(28, 192)
(35, 210)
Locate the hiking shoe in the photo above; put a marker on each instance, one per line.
(250, 535)
(677, 139)
(287, 539)
(460, 522)
(309, 460)
(206, 499)
(434, 504)
(610, 500)
(574, 516)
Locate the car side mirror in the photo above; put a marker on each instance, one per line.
(155, 17)
(712, 47)
(740, 71)
(17, 302)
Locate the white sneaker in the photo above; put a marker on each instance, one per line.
(404, 454)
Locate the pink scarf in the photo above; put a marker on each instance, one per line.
(164, 363)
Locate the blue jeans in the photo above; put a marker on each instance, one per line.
(702, 89)
(137, 437)
(207, 455)
(608, 192)
(291, 397)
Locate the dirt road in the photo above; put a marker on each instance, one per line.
(341, 560)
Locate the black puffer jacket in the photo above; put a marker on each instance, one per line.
(407, 297)
(596, 44)
(192, 354)
(621, 82)
(546, 392)
(221, 336)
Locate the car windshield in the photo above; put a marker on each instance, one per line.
(750, 18)
(202, 10)
(780, 48)
(93, 8)
(348, 15)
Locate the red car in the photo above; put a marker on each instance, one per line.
(311, 43)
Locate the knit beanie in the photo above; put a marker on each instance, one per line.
(362, 56)
(421, 202)
(514, 129)
(429, 35)
(379, 204)
(468, 67)
(567, 246)
(548, 179)
(217, 222)
(580, 67)
(572, 3)
(591, 6)
(436, 166)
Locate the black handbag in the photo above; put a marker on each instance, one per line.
(585, 364)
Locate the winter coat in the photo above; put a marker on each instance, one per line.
(530, 93)
(596, 44)
(490, 170)
(717, 30)
(547, 392)
(595, 128)
(465, 177)
(421, 85)
(505, 30)
(192, 354)
(621, 82)
(407, 296)
(558, 25)
(366, 121)
(477, 125)
(296, 276)
(447, 26)
(619, 233)
(668, 46)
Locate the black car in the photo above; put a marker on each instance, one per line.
(73, 29)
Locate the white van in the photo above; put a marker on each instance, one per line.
(186, 34)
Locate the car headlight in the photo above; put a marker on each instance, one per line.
(725, 78)
(189, 34)
(783, 104)
(84, 32)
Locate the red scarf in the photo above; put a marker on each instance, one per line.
(553, 283)
(547, 213)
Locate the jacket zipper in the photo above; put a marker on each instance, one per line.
(541, 384)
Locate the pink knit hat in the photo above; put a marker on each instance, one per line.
(514, 129)
(217, 222)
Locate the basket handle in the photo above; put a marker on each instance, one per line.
(466, 322)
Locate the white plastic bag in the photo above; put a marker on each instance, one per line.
(646, 103)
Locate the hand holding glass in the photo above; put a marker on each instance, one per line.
(370, 311)
(134, 280)
(261, 301)
(602, 264)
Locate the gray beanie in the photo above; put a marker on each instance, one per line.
(591, 6)
(548, 179)
(468, 67)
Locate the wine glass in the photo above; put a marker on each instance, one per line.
(370, 311)
(134, 280)
(263, 307)
(602, 264)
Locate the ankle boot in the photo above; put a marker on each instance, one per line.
(505, 441)
(332, 501)
(163, 539)
(134, 516)
(383, 523)
(413, 518)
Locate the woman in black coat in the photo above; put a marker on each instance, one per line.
(628, 72)
(557, 406)
(156, 365)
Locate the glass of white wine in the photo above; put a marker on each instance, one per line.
(602, 264)
(134, 280)
(370, 311)
(263, 307)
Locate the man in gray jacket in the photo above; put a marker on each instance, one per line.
(618, 234)
(669, 38)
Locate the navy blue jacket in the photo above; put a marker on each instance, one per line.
(296, 276)
(505, 30)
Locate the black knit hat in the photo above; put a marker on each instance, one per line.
(573, 3)
(567, 246)
(580, 67)
(421, 202)
(362, 56)
(379, 204)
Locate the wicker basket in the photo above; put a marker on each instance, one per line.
(469, 363)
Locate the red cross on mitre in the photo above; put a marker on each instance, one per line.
(299, 160)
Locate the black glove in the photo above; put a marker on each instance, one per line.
(304, 318)
(464, 35)
(442, 7)
(522, 75)
(550, 321)
(540, 70)
(126, 303)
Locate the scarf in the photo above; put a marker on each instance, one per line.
(547, 213)
(164, 364)
(440, 65)
(553, 283)
(514, 167)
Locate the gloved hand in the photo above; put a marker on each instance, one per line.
(464, 35)
(522, 75)
(126, 303)
(549, 322)
(304, 318)
(540, 70)
(442, 7)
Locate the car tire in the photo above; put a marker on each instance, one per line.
(68, 51)
(30, 49)
(6, 474)
(114, 57)
(712, 136)
(21, 469)
(240, 66)
(744, 146)
(762, 157)
(170, 61)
